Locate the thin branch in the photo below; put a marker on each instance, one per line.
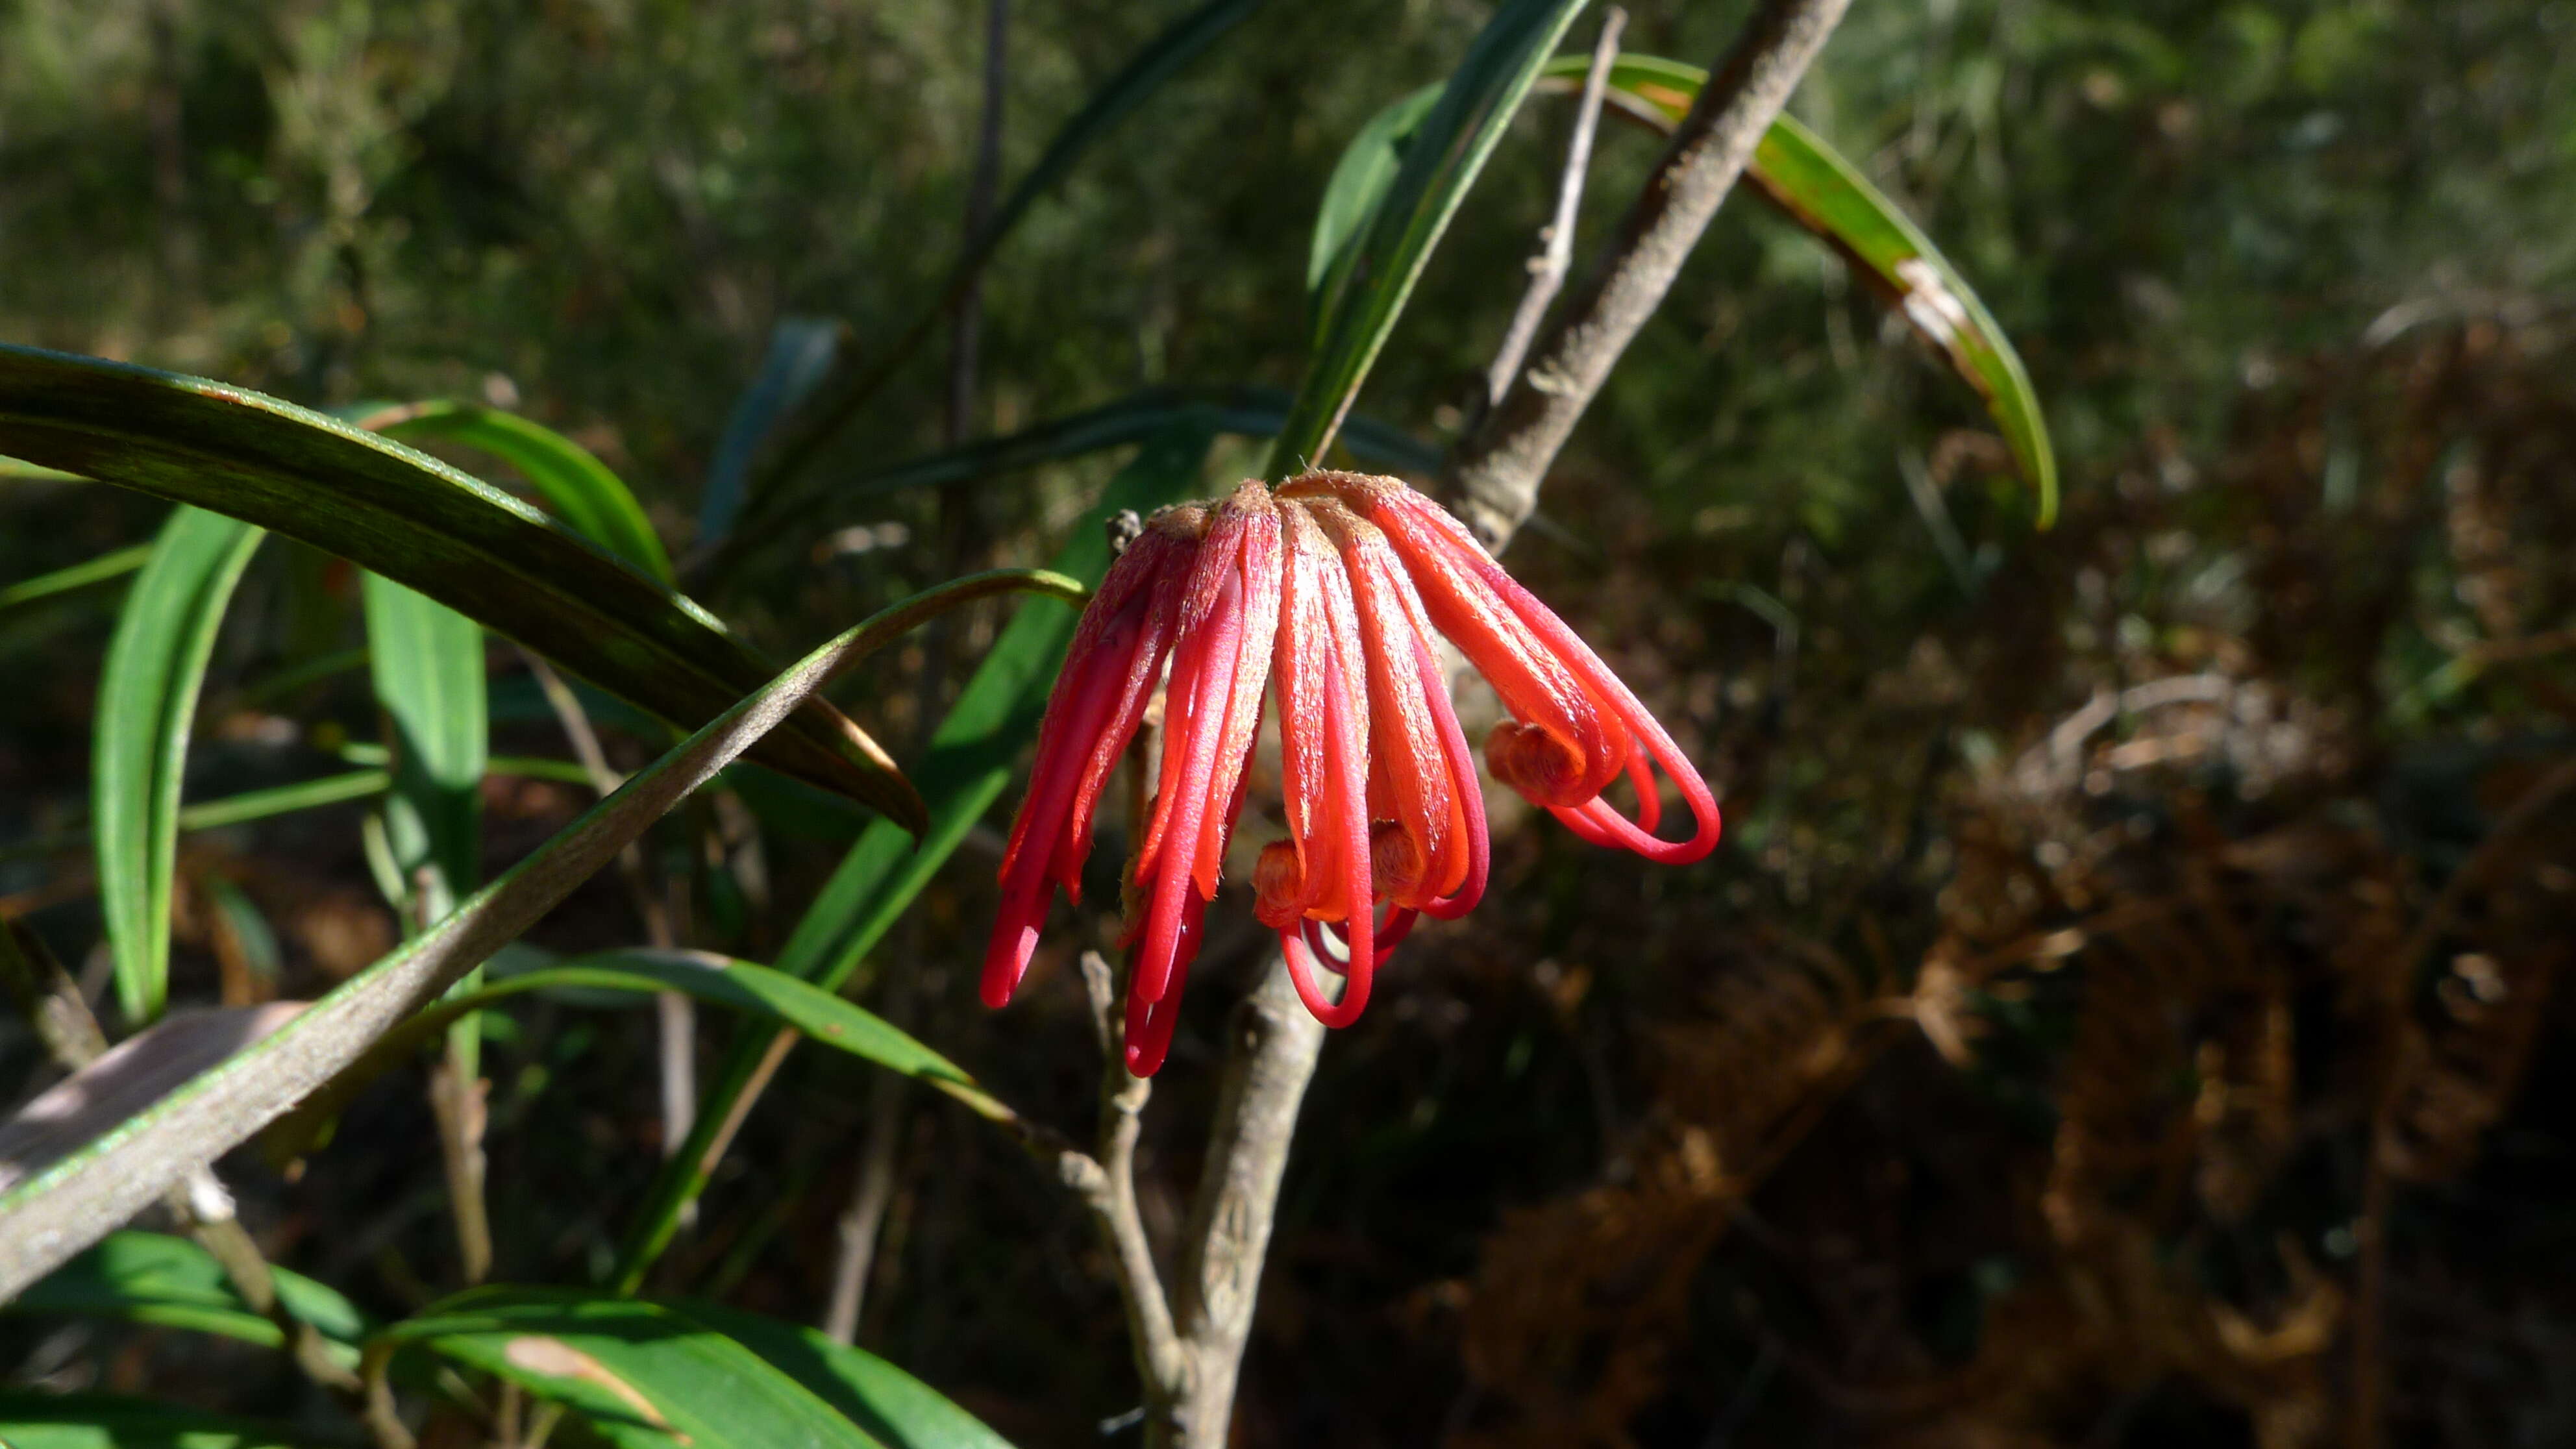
(1497, 470)
(1556, 240)
(1106, 1183)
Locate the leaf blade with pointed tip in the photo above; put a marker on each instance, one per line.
(870, 1392)
(147, 706)
(1370, 281)
(426, 661)
(172, 1283)
(644, 1376)
(426, 526)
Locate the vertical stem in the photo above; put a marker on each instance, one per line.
(1274, 1042)
(1270, 1058)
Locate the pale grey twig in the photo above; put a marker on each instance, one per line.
(1556, 240)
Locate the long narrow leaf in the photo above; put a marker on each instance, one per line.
(78, 576)
(894, 1406)
(581, 490)
(801, 353)
(172, 1283)
(1369, 283)
(78, 1199)
(758, 992)
(968, 765)
(426, 526)
(1798, 172)
(30, 1420)
(642, 1375)
(147, 705)
(427, 663)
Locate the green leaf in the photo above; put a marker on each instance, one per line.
(591, 500)
(1371, 277)
(800, 357)
(971, 759)
(1359, 183)
(1798, 172)
(759, 992)
(76, 1199)
(30, 1420)
(880, 1398)
(247, 806)
(147, 704)
(1162, 58)
(78, 576)
(644, 1376)
(426, 526)
(172, 1283)
(427, 663)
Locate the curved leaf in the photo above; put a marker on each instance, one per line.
(577, 487)
(894, 1406)
(1371, 279)
(30, 1420)
(1796, 171)
(147, 704)
(644, 1376)
(426, 526)
(76, 1200)
(171, 1282)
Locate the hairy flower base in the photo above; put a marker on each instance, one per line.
(1327, 593)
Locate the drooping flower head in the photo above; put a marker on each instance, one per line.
(1327, 591)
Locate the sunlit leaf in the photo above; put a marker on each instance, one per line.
(426, 526)
(643, 1376)
(1370, 278)
(766, 996)
(147, 705)
(894, 1406)
(172, 1283)
(1806, 178)
(427, 664)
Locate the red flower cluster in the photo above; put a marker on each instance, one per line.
(1328, 591)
